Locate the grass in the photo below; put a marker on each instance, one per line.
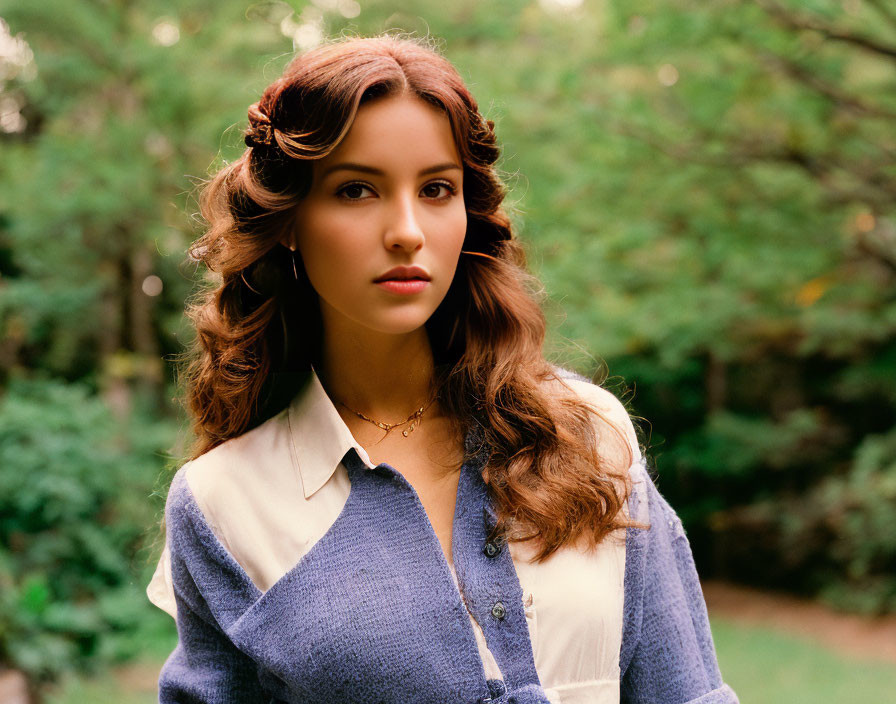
(762, 666)
(767, 667)
(108, 688)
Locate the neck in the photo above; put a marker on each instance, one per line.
(386, 377)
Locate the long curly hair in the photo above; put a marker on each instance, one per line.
(259, 328)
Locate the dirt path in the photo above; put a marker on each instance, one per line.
(139, 677)
(847, 633)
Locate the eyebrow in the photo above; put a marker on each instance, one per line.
(351, 166)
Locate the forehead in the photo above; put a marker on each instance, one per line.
(396, 132)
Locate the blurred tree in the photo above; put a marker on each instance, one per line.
(110, 112)
(707, 190)
(123, 105)
(74, 507)
(712, 190)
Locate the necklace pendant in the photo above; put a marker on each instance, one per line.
(413, 419)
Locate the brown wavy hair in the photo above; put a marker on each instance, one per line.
(259, 328)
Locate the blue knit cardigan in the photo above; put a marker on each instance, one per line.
(371, 613)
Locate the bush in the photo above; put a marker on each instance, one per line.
(837, 539)
(75, 500)
(859, 509)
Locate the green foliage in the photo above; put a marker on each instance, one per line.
(75, 504)
(706, 189)
(856, 511)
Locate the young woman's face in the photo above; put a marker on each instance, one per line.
(381, 229)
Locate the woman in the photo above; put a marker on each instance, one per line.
(394, 496)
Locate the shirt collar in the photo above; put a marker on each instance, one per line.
(320, 438)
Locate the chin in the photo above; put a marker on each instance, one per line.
(399, 321)
(403, 327)
(393, 319)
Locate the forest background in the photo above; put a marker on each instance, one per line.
(707, 191)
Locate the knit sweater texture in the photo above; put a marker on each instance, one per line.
(371, 612)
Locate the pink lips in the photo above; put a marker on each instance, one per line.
(404, 280)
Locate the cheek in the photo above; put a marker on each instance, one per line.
(457, 233)
(328, 254)
(327, 247)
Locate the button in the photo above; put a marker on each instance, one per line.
(491, 549)
(498, 610)
(496, 687)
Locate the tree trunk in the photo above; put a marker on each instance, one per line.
(716, 383)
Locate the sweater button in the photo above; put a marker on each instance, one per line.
(498, 610)
(491, 549)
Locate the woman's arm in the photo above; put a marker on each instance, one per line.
(206, 668)
(201, 580)
(667, 655)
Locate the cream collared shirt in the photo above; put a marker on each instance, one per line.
(273, 492)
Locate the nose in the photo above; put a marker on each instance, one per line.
(403, 230)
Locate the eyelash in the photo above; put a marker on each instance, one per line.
(452, 191)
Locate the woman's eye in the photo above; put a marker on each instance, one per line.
(438, 190)
(353, 191)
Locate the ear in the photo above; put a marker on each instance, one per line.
(289, 241)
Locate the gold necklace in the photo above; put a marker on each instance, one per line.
(413, 419)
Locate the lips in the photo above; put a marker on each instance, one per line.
(404, 273)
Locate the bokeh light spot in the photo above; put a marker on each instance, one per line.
(152, 285)
(667, 75)
(349, 9)
(560, 4)
(165, 33)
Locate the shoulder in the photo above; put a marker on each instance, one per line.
(254, 444)
(612, 421)
(223, 499)
(237, 471)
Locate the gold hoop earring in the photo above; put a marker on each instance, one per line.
(243, 277)
(293, 257)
